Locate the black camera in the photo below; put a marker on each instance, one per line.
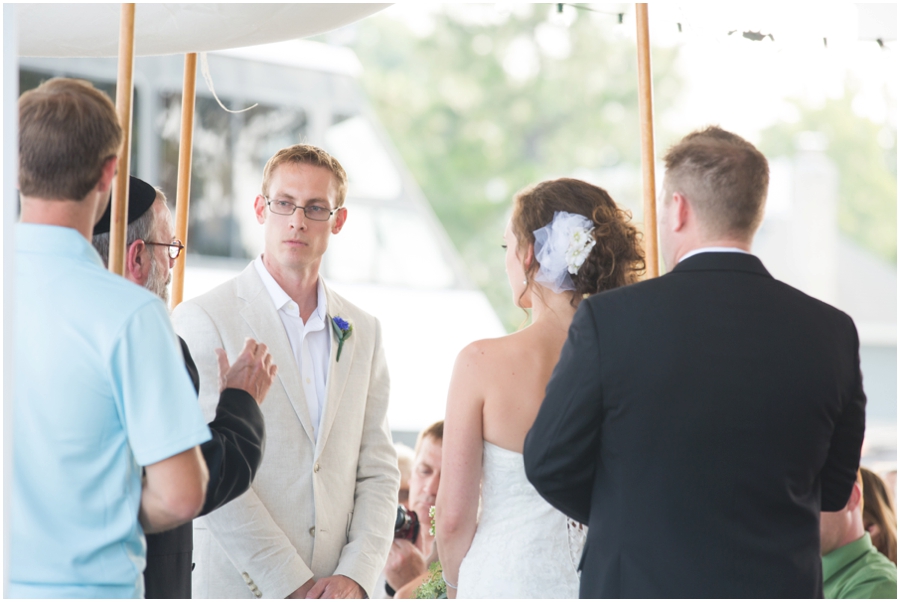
(407, 524)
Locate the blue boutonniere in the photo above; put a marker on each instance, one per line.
(342, 329)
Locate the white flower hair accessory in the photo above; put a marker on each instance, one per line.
(560, 249)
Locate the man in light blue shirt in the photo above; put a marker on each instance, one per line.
(100, 386)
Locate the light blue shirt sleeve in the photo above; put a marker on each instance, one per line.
(154, 393)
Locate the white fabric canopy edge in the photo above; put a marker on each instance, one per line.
(92, 30)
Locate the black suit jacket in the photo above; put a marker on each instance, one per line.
(232, 458)
(698, 422)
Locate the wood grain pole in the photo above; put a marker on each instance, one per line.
(185, 153)
(124, 102)
(648, 155)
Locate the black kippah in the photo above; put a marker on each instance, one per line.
(140, 198)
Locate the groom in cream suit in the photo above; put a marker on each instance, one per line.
(318, 519)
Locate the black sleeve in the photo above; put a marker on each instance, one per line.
(190, 366)
(238, 437)
(839, 472)
(562, 447)
(236, 449)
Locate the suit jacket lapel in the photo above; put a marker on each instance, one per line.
(338, 371)
(263, 319)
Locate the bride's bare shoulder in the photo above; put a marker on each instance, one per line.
(486, 353)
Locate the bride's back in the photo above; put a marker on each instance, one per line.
(520, 365)
(565, 239)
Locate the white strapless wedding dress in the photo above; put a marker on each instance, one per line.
(523, 547)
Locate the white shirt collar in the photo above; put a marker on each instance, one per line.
(282, 300)
(712, 250)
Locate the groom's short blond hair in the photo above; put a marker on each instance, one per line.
(307, 154)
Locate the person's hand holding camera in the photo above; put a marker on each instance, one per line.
(405, 563)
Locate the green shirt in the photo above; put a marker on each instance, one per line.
(858, 570)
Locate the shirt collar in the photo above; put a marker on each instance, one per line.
(282, 299)
(712, 250)
(44, 239)
(835, 560)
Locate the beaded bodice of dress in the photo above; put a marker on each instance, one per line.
(523, 547)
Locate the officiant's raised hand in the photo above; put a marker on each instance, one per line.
(253, 371)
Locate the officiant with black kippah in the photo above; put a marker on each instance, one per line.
(238, 432)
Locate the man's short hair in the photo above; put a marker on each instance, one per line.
(724, 177)
(68, 130)
(307, 154)
(435, 431)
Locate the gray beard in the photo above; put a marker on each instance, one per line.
(158, 280)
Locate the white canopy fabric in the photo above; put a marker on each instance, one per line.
(92, 30)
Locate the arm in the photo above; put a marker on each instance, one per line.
(405, 562)
(377, 484)
(456, 507)
(159, 410)
(173, 491)
(252, 540)
(409, 590)
(235, 452)
(839, 472)
(563, 445)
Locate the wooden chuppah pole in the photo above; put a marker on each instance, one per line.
(124, 100)
(648, 158)
(185, 151)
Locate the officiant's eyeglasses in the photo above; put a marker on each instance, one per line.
(174, 249)
(313, 212)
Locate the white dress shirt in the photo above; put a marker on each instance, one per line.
(310, 342)
(713, 250)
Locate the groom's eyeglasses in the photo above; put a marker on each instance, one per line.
(313, 212)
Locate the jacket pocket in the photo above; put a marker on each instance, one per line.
(349, 522)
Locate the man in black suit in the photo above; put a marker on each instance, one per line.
(238, 432)
(698, 422)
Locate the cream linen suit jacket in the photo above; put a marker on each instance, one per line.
(317, 507)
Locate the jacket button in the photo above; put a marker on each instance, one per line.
(316, 467)
(312, 531)
(246, 577)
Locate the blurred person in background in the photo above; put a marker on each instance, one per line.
(890, 481)
(879, 514)
(235, 451)
(408, 561)
(851, 566)
(405, 458)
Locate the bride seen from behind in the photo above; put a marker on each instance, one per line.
(566, 239)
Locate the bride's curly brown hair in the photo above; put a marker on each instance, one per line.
(618, 257)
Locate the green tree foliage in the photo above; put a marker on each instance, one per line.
(480, 110)
(865, 154)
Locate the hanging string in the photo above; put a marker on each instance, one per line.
(204, 69)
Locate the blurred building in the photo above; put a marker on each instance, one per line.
(800, 244)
